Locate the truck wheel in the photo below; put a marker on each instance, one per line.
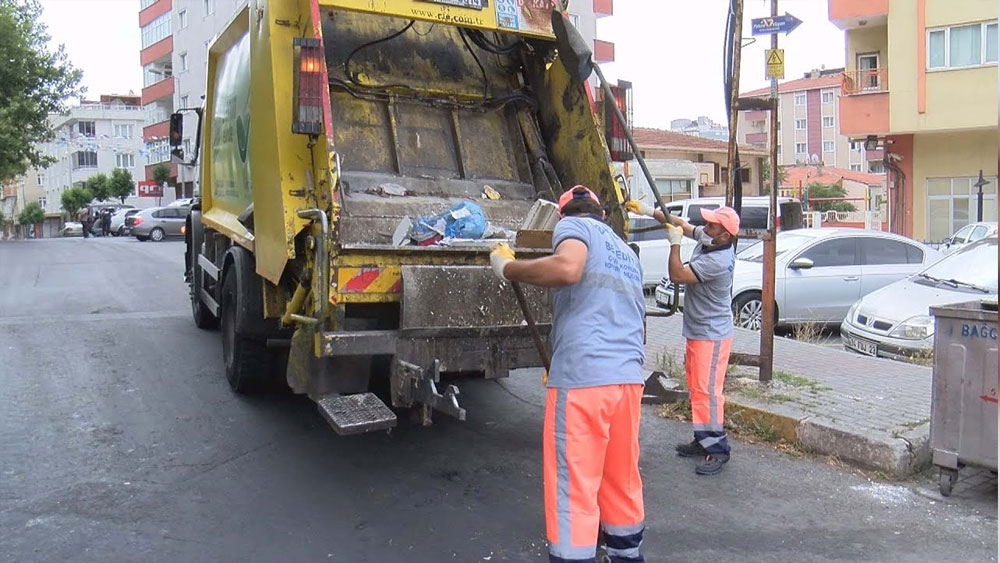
(203, 317)
(156, 235)
(247, 359)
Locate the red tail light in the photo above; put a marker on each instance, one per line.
(309, 71)
(136, 221)
(614, 133)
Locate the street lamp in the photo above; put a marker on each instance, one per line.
(979, 196)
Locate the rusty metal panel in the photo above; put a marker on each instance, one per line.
(464, 296)
(362, 133)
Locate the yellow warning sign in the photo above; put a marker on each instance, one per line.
(774, 62)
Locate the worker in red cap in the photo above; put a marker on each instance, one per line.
(707, 325)
(590, 442)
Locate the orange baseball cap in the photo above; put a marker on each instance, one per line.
(725, 216)
(576, 192)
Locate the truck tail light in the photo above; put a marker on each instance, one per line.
(614, 132)
(308, 102)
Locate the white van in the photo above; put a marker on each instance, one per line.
(654, 248)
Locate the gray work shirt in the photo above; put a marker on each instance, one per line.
(708, 314)
(597, 323)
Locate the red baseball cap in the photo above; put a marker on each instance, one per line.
(576, 192)
(725, 216)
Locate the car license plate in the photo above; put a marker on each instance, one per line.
(863, 346)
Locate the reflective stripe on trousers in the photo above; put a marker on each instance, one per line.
(590, 454)
(705, 363)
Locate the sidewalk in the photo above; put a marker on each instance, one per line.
(868, 411)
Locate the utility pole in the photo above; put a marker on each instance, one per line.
(770, 242)
(734, 95)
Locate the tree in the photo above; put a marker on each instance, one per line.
(75, 198)
(98, 187)
(817, 190)
(120, 185)
(32, 214)
(161, 174)
(34, 82)
(765, 174)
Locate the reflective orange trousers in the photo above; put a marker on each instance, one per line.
(591, 473)
(705, 363)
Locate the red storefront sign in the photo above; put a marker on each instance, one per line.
(148, 188)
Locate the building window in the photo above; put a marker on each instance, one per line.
(779, 150)
(575, 20)
(188, 153)
(856, 145)
(41, 179)
(800, 148)
(84, 159)
(876, 167)
(155, 113)
(962, 45)
(143, 4)
(673, 189)
(87, 128)
(182, 61)
(156, 30)
(157, 151)
(745, 175)
(124, 160)
(209, 7)
(182, 19)
(800, 99)
(184, 101)
(151, 74)
(124, 130)
(42, 201)
(951, 205)
(827, 97)
(827, 122)
(800, 124)
(828, 146)
(855, 168)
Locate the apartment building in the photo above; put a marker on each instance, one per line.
(94, 137)
(175, 39)
(701, 127)
(808, 125)
(921, 84)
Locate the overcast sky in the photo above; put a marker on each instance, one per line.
(671, 50)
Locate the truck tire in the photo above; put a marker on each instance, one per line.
(203, 317)
(247, 360)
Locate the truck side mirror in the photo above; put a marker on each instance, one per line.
(176, 129)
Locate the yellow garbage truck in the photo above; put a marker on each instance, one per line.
(330, 126)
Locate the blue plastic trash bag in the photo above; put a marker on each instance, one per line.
(464, 220)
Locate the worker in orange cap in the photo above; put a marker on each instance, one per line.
(590, 443)
(707, 326)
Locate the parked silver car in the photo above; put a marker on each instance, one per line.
(118, 220)
(819, 273)
(895, 321)
(968, 235)
(157, 223)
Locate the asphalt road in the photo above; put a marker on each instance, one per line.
(120, 441)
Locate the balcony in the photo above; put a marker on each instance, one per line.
(757, 138)
(864, 105)
(155, 131)
(604, 51)
(852, 14)
(868, 81)
(153, 11)
(157, 50)
(603, 8)
(158, 90)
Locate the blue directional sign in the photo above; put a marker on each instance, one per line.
(778, 24)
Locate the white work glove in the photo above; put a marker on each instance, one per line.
(500, 257)
(674, 234)
(639, 207)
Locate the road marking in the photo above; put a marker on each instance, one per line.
(78, 318)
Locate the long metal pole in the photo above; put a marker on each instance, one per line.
(770, 242)
(734, 95)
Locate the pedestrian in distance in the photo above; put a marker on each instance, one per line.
(87, 222)
(590, 435)
(707, 324)
(106, 227)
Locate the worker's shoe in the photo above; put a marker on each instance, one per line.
(711, 464)
(692, 449)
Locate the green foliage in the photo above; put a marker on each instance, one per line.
(34, 81)
(766, 173)
(32, 214)
(97, 185)
(817, 190)
(161, 173)
(120, 185)
(74, 199)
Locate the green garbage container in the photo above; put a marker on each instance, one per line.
(964, 391)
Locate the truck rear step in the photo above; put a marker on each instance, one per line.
(356, 414)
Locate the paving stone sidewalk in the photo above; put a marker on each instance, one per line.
(869, 411)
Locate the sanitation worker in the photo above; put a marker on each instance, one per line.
(707, 325)
(590, 445)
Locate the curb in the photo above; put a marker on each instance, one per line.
(898, 457)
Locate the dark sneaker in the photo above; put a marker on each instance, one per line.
(692, 449)
(711, 464)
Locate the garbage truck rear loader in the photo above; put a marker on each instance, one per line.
(328, 127)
